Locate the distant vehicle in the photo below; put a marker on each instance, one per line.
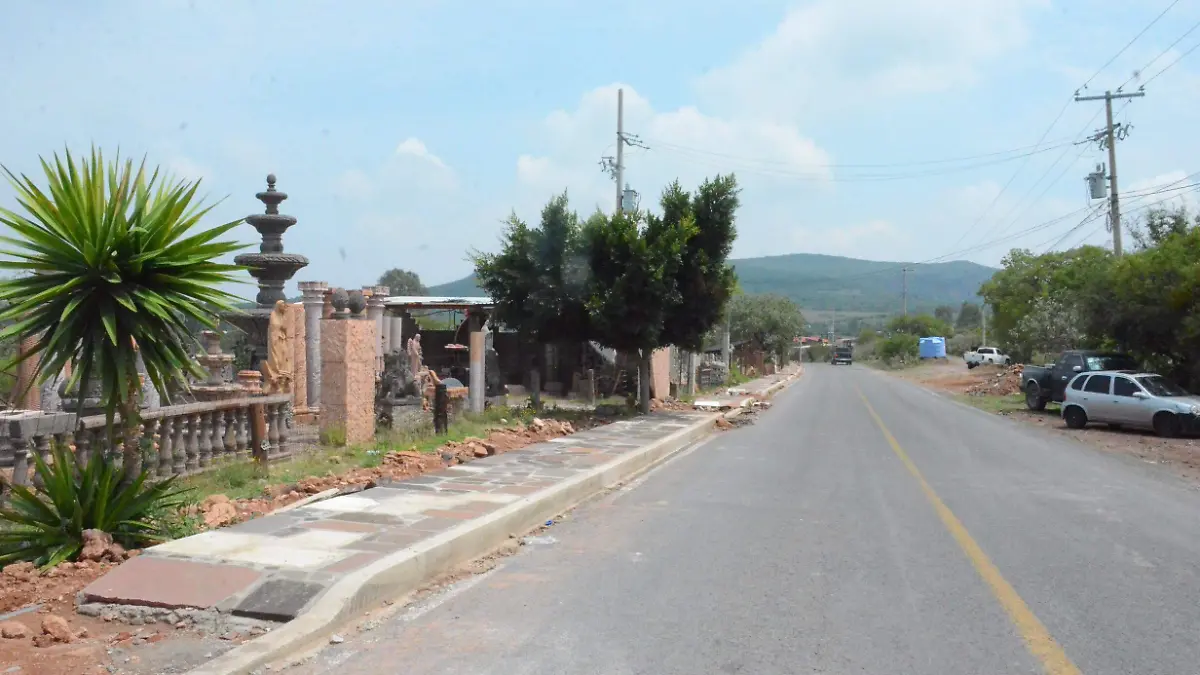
(984, 355)
(1043, 384)
(842, 355)
(1131, 399)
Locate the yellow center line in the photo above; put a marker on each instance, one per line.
(1037, 639)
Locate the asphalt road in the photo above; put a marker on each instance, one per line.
(808, 543)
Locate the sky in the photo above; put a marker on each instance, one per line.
(406, 131)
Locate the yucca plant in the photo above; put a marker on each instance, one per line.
(110, 261)
(47, 526)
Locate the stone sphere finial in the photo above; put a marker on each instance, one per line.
(271, 181)
(340, 301)
(357, 303)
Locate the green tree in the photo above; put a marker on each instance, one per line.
(704, 279)
(920, 325)
(768, 321)
(945, 314)
(633, 284)
(969, 318)
(1077, 277)
(539, 280)
(1158, 224)
(402, 282)
(899, 347)
(1050, 327)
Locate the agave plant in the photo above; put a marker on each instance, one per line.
(110, 261)
(46, 527)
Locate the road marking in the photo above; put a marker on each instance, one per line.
(1037, 639)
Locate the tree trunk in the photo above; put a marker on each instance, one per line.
(644, 380)
(535, 387)
(131, 435)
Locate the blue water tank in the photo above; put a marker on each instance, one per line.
(932, 348)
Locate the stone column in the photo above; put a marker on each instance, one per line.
(395, 334)
(314, 309)
(347, 377)
(477, 387)
(375, 296)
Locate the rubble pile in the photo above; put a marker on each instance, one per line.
(1005, 382)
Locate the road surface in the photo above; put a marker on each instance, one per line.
(863, 525)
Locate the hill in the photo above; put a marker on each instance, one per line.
(822, 283)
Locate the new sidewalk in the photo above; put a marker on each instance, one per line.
(323, 564)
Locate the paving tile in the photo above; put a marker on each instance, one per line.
(211, 544)
(159, 582)
(343, 504)
(372, 518)
(265, 525)
(354, 562)
(474, 487)
(455, 515)
(518, 489)
(433, 524)
(341, 526)
(321, 538)
(287, 555)
(278, 600)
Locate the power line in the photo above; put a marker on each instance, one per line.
(1130, 43)
(748, 166)
(1171, 64)
(1138, 73)
(844, 165)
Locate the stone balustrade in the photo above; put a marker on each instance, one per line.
(177, 440)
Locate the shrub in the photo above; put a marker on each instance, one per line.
(899, 347)
(47, 523)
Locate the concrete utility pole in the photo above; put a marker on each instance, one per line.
(1114, 200)
(983, 316)
(905, 271)
(621, 147)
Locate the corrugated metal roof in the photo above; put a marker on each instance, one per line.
(436, 302)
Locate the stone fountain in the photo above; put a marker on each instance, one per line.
(218, 385)
(270, 266)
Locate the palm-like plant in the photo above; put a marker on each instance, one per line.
(110, 261)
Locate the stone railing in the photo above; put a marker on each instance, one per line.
(177, 440)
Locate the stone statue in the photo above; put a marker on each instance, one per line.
(277, 371)
(398, 382)
(414, 353)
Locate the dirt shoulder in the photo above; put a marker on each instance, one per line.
(997, 390)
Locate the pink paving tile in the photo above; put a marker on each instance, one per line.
(456, 515)
(466, 487)
(157, 582)
(340, 526)
(353, 562)
(518, 490)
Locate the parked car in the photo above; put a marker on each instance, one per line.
(1127, 398)
(984, 355)
(842, 355)
(1043, 384)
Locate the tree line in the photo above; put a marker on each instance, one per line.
(631, 281)
(1145, 303)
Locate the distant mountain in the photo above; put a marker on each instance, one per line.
(826, 282)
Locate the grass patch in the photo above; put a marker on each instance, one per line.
(237, 480)
(994, 404)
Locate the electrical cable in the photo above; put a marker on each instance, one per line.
(1172, 64)
(1161, 54)
(1130, 43)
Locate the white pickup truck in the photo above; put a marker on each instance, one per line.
(984, 355)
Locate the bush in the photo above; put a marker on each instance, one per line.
(900, 347)
(819, 352)
(962, 343)
(47, 523)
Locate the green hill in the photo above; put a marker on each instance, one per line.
(823, 283)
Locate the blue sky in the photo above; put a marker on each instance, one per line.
(405, 131)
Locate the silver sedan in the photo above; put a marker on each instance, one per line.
(1125, 398)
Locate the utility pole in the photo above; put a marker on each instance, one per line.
(1110, 139)
(983, 315)
(621, 146)
(615, 166)
(905, 271)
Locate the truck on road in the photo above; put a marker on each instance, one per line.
(992, 355)
(1043, 384)
(842, 355)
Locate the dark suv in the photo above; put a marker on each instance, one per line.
(842, 355)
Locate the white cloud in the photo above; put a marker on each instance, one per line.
(684, 143)
(839, 54)
(413, 147)
(354, 184)
(872, 240)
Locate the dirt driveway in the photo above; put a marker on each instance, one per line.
(997, 390)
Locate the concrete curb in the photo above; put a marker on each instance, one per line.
(408, 569)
